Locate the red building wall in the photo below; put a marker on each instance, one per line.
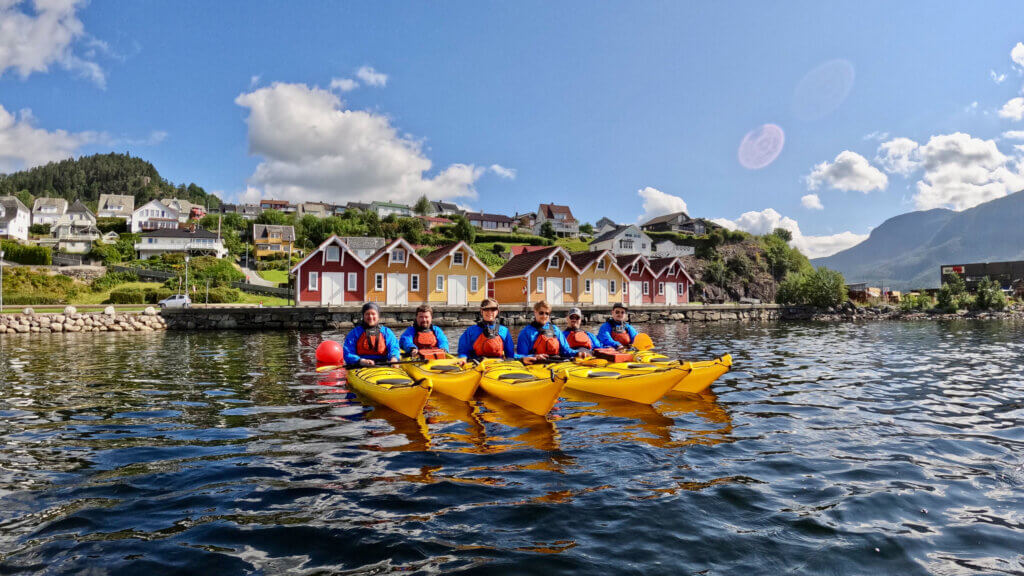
(644, 275)
(679, 278)
(316, 264)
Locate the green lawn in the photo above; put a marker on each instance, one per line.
(573, 244)
(257, 298)
(87, 297)
(279, 276)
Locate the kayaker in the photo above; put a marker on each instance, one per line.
(575, 335)
(616, 332)
(487, 338)
(369, 343)
(423, 335)
(542, 339)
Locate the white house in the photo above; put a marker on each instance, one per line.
(182, 207)
(115, 206)
(604, 225)
(15, 218)
(624, 239)
(669, 249)
(561, 218)
(167, 240)
(153, 215)
(48, 210)
(79, 214)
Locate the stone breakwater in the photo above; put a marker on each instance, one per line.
(324, 318)
(848, 312)
(74, 322)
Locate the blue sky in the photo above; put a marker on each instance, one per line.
(500, 106)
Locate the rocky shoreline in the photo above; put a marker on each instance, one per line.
(28, 322)
(849, 312)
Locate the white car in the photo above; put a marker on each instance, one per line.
(176, 301)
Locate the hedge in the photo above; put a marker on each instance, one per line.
(513, 239)
(119, 225)
(127, 296)
(19, 254)
(33, 299)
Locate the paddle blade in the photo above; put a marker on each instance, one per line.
(329, 367)
(643, 342)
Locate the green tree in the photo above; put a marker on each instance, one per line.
(462, 229)
(547, 230)
(740, 266)
(953, 294)
(422, 206)
(587, 228)
(821, 287)
(274, 217)
(989, 295)
(786, 235)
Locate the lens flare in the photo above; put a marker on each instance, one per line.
(822, 90)
(761, 146)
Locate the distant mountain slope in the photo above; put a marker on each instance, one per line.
(907, 250)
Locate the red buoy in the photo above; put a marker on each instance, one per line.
(330, 352)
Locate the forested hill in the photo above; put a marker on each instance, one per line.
(87, 177)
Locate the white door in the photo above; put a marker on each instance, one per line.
(553, 291)
(600, 291)
(457, 295)
(398, 289)
(670, 293)
(332, 288)
(635, 293)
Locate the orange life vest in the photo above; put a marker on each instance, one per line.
(620, 334)
(546, 341)
(489, 344)
(371, 343)
(424, 337)
(578, 339)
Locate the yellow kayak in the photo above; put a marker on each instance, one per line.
(512, 382)
(701, 376)
(643, 383)
(450, 379)
(391, 387)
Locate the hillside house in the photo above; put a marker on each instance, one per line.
(385, 209)
(490, 222)
(331, 275)
(196, 242)
(271, 241)
(676, 222)
(457, 277)
(115, 206)
(623, 239)
(603, 225)
(182, 207)
(48, 210)
(545, 274)
(671, 249)
(527, 221)
(601, 281)
(397, 275)
(444, 209)
(154, 215)
(318, 209)
(15, 219)
(279, 205)
(561, 218)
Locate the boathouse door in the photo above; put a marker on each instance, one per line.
(553, 290)
(332, 289)
(635, 296)
(457, 295)
(398, 289)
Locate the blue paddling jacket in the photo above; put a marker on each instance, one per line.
(528, 337)
(614, 334)
(407, 341)
(473, 345)
(358, 346)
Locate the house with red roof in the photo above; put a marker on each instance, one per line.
(671, 280)
(641, 279)
(331, 275)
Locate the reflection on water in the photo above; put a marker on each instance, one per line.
(889, 448)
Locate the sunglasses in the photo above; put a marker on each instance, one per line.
(574, 317)
(541, 313)
(495, 309)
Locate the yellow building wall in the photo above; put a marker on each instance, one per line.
(509, 291)
(381, 266)
(565, 271)
(609, 273)
(446, 268)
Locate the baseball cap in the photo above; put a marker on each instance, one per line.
(575, 311)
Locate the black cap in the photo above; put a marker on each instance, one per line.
(619, 305)
(371, 306)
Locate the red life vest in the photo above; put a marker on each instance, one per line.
(424, 337)
(371, 343)
(489, 343)
(620, 334)
(546, 341)
(578, 339)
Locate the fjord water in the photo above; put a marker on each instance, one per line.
(888, 448)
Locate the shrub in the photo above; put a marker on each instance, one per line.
(740, 266)
(821, 287)
(715, 273)
(39, 229)
(154, 295)
(126, 296)
(918, 302)
(989, 296)
(953, 294)
(514, 239)
(30, 255)
(118, 225)
(34, 299)
(219, 295)
(111, 279)
(498, 249)
(26, 286)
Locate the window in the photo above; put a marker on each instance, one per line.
(672, 270)
(611, 286)
(458, 258)
(635, 269)
(414, 282)
(314, 281)
(378, 282)
(600, 264)
(352, 281)
(680, 288)
(661, 288)
(626, 244)
(440, 283)
(474, 283)
(540, 284)
(568, 285)
(554, 262)
(398, 255)
(647, 288)
(586, 286)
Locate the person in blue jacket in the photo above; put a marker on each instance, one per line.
(616, 332)
(423, 334)
(541, 339)
(575, 335)
(369, 343)
(487, 338)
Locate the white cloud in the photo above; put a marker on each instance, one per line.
(971, 108)
(1017, 54)
(506, 173)
(31, 42)
(997, 78)
(22, 145)
(1014, 134)
(961, 171)
(876, 135)
(658, 203)
(155, 137)
(344, 84)
(254, 80)
(811, 202)
(371, 77)
(250, 196)
(314, 148)
(1014, 109)
(849, 171)
(899, 156)
(766, 220)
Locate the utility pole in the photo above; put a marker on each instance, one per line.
(186, 276)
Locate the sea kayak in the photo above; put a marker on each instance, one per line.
(450, 379)
(391, 387)
(701, 376)
(512, 382)
(643, 383)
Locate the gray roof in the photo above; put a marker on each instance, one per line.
(59, 203)
(79, 208)
(611, 233)
(127, 202)
(263, 231)
(364, 242)
(11, 206)
(667, 218)
(179, 233)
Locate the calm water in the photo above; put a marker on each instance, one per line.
(888, 448)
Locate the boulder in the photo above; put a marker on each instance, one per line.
(109, 311)
(69, 310)
(28, 312)
(149, 311)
